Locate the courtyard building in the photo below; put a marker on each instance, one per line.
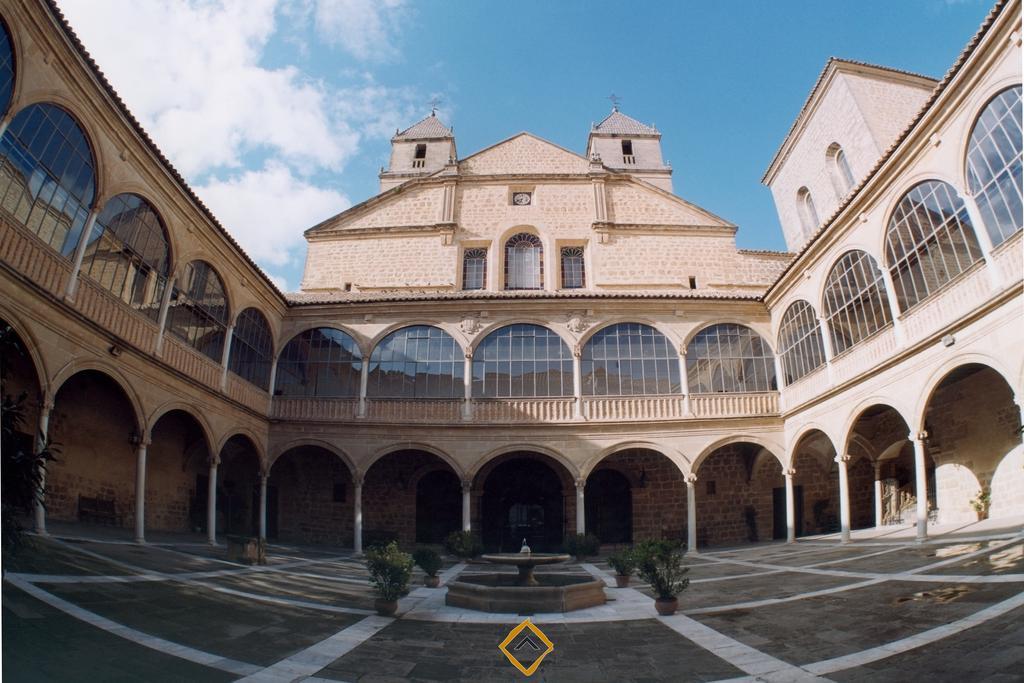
(527, 341)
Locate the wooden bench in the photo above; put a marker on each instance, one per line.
(97, 509)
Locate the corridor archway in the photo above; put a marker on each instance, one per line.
(524, 496)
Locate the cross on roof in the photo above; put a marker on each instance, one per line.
(615, 101)
(434, 101)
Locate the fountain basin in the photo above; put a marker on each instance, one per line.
(503, 593)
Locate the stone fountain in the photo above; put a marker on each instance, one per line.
(526, 592)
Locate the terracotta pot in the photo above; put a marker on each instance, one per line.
(622, 580)
(431, 581)
(385, 608)
(666, 606)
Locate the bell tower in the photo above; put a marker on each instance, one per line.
(625, 144)
(420, 149)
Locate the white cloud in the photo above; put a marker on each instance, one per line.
(190, 72)
(366, 29)
(268, 209)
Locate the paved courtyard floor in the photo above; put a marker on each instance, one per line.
(86, 604)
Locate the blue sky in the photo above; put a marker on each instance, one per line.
(280, 113)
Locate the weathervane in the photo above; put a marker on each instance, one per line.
(615, 101)
(434, 101)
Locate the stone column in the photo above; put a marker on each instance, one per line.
(581, 519)
(467, 488)
(357, 526)
(83, 242)
(211, 504)
(467, 387)
(140, 491)
(921, 487)
(684, 383)
(790, 507)
(826, 344)
(577, 383)
(894, 309)
(844, 499)
(878, 494)
(364, 379)
(41, 438)
(225, 357)
(263, 506)
(161, 321)
(691, 514)
(995, 278)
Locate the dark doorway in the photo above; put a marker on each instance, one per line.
(609, 506)
(779, 512)
(438, 506)
(522, 499)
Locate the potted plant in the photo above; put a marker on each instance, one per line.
(462, 544)
(624, 564)
(430, 562)
(390, 570)
(665, 572)
(981, 502)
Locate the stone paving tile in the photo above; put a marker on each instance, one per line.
(299, 588)
(783, 585)
(1007, 560)
(153, 558)
(802, 557)
(714, 570)
(42, 644)
(992, 652)
(833, 625)
(47, 557)
(643, 650)
(238, 628)
(904, 559)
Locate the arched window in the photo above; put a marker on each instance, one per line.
(729, 358)
(994, 165)
(929, 241)
(127, 253)
(474, 269)
(800, 346)
(574, 274)
(417, 362)
(629, 359)
(839, 169)
(322, 362)
(199, 309)
(252, 348)
(522, 361)
(6, 69)
(524, 262)
(855, 302)
(808, 214)
(47, 181)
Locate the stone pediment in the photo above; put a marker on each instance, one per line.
(524, 154)
(412, 206)
(635, 203)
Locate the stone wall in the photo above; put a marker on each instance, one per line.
(305, 479)
(389, 495)
(176, 457)
(523, 154)
(658, 492)
(381, 262)
(722, 515)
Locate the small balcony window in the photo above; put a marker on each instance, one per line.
(627, 152)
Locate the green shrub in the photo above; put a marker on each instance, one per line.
(390, 570)
(582, 545)
(623, 562)
(428, 560)
(653, 548)
(665, 572)
(463, 544)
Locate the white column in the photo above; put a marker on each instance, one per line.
(684, 382)
(894, 309)
(225, 356)
(691, 514)
(357, 526)
(41, 438)
(581, 519)
(921, 486)
(140, 491)
(263, 507)
(211, 505)
(83, 242)
(467, 488)
(364, 377)
(790, 507)
(844, 499)
(467, 387)
(995, 278)
(577, 383)
(878, 494)
(161, 321)
(826, 343)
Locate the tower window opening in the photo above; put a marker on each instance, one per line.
(419, 158)
(627, 152)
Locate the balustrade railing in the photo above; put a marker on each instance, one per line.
(190, 362)
(413, 410)
(864, 356)
(953, 301)
(735, 405)
(1006, 258)
(335, 409)
(31, 257)
(102, 307)
(511, 410)
(627, 408)
(805, 388)
(247, 393)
